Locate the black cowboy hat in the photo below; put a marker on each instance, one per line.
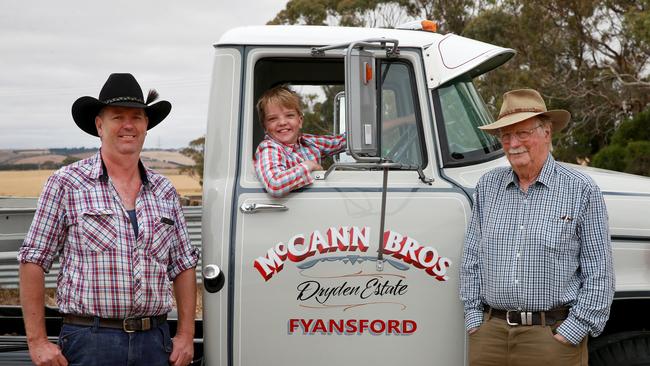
(120, 90)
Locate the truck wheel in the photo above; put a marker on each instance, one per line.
(621, 349)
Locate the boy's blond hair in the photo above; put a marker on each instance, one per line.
(279, 95)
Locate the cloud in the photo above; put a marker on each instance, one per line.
(56, 51)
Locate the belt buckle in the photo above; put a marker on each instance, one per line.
(125, 325)
(508, 317)
(145, 324)
(525, 317)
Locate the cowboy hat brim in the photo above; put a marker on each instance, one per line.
(559, 117)
(85, 109)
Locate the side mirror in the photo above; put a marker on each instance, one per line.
(361, 114)
(360, 105)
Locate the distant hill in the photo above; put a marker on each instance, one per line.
(56, 158)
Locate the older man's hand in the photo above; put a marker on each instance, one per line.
(560, 338)
(472, 331)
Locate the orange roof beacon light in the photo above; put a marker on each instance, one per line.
(429, 26)
(423, 25)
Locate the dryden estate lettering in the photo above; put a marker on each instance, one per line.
(374, 288)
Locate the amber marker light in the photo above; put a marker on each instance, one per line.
(368, 73)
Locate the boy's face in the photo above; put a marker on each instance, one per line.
(282, 124)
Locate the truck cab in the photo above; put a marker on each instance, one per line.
(362, 265)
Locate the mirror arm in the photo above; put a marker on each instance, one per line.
(423, 177)
(391, 51)
(358, 166)
(380, 165)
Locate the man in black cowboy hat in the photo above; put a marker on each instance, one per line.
(121, 236)
(536, 275)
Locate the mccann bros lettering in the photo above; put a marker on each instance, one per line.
(301, 247)
(351, 239)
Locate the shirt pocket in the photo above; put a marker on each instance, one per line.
(99, 231)
(561, 235)
(162, 235)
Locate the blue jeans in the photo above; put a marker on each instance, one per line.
(91, 345)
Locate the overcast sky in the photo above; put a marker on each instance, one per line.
(53, 52)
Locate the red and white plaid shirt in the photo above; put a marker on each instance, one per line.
(280, 167)
(105, 270)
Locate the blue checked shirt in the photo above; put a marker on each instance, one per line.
(538, 250)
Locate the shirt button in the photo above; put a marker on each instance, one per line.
(518, 255)
(516, 282)
(521, 227)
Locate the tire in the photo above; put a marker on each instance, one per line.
(621, 349)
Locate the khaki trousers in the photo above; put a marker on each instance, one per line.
(498, 344)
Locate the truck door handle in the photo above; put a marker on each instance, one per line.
(249, 208)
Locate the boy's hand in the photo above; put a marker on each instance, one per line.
(312, 165)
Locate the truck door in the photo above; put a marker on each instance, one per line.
(304, 287)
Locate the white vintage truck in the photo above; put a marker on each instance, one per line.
(304, 279)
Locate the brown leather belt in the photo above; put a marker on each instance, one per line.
(517, 317)
(128, 325)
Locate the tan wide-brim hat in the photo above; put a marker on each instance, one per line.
(522, 104)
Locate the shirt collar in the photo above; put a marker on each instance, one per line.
(100, 172)
(545, 175)
(295, 146)
(548, 171)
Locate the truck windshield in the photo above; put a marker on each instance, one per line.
(459, 111)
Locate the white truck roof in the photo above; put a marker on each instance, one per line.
(312, 35)
(446, 56)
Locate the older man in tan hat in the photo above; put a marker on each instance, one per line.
(536, 275)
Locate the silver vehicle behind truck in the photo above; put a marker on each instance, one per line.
(361, 267)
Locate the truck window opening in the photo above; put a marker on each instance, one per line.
(459, 111)
(402, 135)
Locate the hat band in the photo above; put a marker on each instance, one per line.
(520, 110)
(123, 99)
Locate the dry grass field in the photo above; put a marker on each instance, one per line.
(168, 156)
(40, 159)
(29, 183)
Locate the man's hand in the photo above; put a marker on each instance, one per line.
(182, 351)
(560, 338)
(472, 331)
(45, 353)
(183, 342)
(32, 298)
(312, 165)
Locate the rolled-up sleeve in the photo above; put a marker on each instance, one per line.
(48, 230)
(183, 255)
